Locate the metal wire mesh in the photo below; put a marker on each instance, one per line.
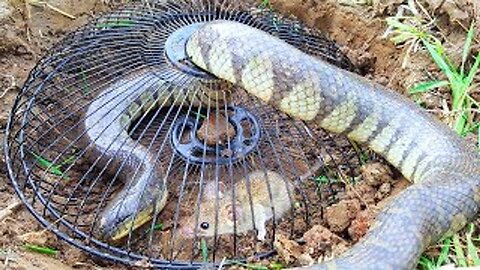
(47, 153)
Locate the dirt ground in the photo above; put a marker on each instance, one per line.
(27, 31)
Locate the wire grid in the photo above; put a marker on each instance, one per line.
(46, 151)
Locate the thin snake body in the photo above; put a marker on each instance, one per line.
(108, 131)
(446, 170)
(106, 125)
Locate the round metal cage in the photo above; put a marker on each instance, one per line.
(67, 193)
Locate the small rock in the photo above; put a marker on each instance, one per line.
(321, 242)
(5, 10)
(339, 215)
(362, 191)
(397, 187)
(216, 130)
(287, 249)
(360, 225)
(383, 191)
(305, 260)
(376, 173)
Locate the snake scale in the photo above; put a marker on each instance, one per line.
(120, 154)
(105, 127)
(446, 170)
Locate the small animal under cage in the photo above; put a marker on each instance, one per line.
(123, 147)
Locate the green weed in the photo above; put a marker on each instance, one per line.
(427, 263)
(204, 250)
(200, 115)
(156, 227)
(276, 266)
(415, 32)
(41, 250)
(265, 4)
(322, 180)
(248, 265)
(55, 169)
(460, 81)
(412, 29)
(459, 250)
(114, 24)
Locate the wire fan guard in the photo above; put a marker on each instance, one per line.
(66, 193)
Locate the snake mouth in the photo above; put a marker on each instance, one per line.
(122, 229)
(119, 228)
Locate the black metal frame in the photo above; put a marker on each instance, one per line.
(177, 14)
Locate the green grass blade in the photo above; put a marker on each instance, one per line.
(473, 71)
(69, 160)
(158, 227)
(437, 56)
(459, 254)
(427, 86)
(44, 163)
(249, 265)
(41, 250)
(322, 180)
(426, 263)
(467, 46)
(276, 266)
(461, 123)
(444, 252)
(201, 116)
(266, 4)
(204, 249)
(400, 27)
(471, 249)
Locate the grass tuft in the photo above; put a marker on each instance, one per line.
(415, 31)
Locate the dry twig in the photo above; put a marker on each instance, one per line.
(45, 4)
(10, 209)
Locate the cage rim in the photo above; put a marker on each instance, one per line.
(116, 254)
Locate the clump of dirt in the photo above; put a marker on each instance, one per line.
(216, 130)
(345, 222)
(318, 242)
(339, 216)
(5, 10)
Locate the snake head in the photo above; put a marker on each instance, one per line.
(127, 213)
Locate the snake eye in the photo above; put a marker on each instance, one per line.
(204, 225)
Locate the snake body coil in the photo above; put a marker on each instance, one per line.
(446, 170)
(106, 125)
(144, 190)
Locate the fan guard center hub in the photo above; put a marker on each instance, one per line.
(186, 143)
(176, 53)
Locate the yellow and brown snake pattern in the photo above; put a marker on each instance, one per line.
(446, 170)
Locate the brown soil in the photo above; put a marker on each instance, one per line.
(26, 33)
